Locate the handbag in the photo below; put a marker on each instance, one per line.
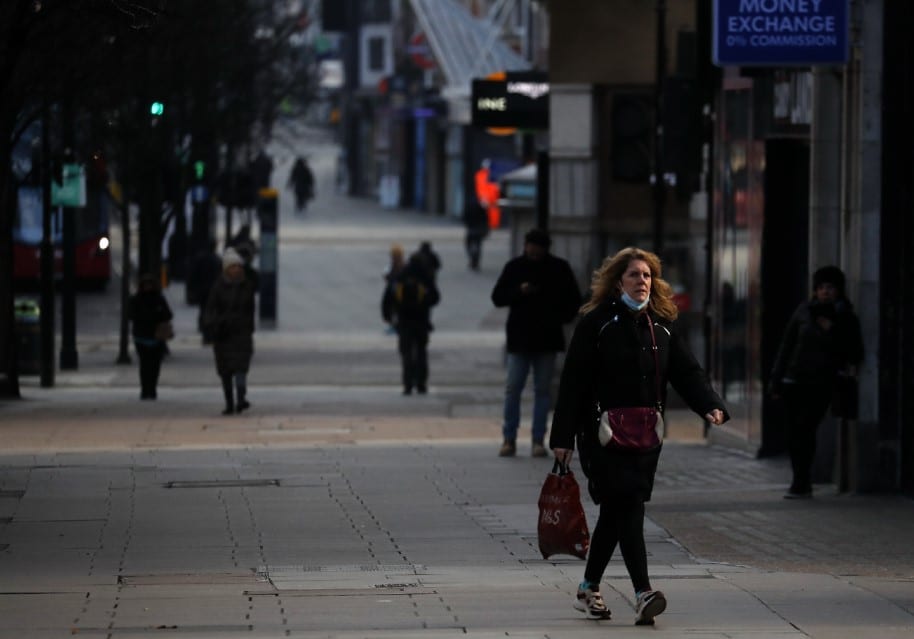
(636, 427)
(562, 527)
(164, 331)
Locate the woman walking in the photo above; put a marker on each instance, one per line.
(624, 350)
(147, 310)
(229, 319)
(822, 344)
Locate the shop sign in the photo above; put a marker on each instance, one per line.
(519, 100)
(72, 191)
(780, 32)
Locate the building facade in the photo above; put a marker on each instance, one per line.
(795, 168)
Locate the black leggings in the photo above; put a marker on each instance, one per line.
(414, 358)
(806, 406)
(622, 524)
(150, 364)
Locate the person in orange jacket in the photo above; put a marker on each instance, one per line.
(487, 192)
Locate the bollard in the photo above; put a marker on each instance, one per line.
(28, 335)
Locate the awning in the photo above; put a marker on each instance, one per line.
(464, 46)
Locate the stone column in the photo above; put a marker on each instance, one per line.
(573, 187)
(825, 188)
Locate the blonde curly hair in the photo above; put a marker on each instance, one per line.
(607, 280)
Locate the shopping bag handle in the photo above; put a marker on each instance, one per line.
(560, 467)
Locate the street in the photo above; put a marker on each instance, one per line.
(338, 508)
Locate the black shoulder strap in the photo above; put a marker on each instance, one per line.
(650, 325)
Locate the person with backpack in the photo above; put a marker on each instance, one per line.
(147, 309)
(407, 305)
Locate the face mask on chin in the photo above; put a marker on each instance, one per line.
(632, 304)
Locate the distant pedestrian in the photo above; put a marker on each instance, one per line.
(391, 273)
(487, 193)
(430, 260)
(147, 311)
(261, 170)
(542, 294)
(396, 264)
(407, 306)
(243, 240)
(624, 351)
(229, 318)
(822, 342)
(477, 229)
(301, 181)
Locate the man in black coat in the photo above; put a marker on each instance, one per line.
(542, 294)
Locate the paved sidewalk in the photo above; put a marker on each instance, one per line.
(315, 525)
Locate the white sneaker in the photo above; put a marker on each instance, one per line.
(591, 603)
(650, 604)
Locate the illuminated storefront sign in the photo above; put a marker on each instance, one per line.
(780, 32)
(520, 100)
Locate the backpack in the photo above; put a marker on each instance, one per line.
(410, 294)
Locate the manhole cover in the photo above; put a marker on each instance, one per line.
(223, 483)
(410, 569)
(189, 579)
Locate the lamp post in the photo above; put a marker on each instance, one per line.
(47, 258)
(69, 357)
(123, 353)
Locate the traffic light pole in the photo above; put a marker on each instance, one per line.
(123, 354)
(47, 259)
(69, 358)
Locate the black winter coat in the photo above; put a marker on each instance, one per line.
(535, 320)
(145, 310)
(610, 364)
(229, 319)
(810, 354)
(413, 318)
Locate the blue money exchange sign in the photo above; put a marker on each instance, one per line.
(780, 32)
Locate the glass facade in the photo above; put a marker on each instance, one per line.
(736, 274)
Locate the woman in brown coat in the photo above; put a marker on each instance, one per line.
(229, 318)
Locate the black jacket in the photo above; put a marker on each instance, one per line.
(535, 320)
(145, 310)
(610, 364)
(229, 319)
(408, 299)
(810, 354)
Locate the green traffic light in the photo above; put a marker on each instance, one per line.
(199, 169)
(157, 108)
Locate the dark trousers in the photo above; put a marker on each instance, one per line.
(619, 523)
(806, 405)
(413, 346)
(473, 242)
(150, 364)
(240, 383)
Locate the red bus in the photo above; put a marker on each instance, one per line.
(93, 252)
